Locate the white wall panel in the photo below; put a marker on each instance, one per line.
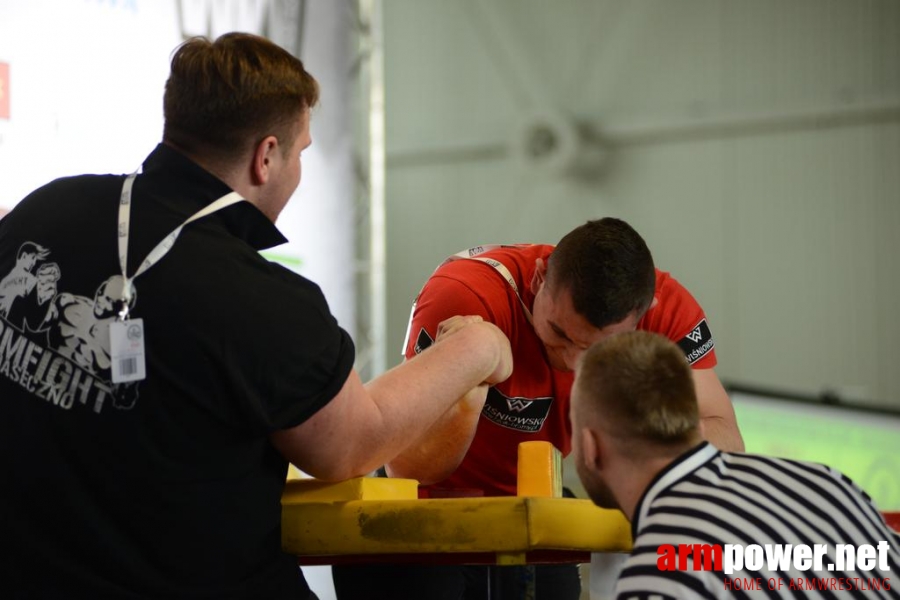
(438, 77)
(817, 216)
(85, 89)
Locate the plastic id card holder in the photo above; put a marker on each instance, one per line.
(126, 349)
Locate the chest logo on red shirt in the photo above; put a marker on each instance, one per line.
(518, 413)
(697, 343)
(518, 404)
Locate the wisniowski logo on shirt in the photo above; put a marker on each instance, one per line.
(423, 341)
(518, 404)
(697, 343)
(521, 414)
(695, 336)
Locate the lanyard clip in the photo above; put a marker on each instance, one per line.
(123, 312)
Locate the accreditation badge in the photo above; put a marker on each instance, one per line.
(126, 349)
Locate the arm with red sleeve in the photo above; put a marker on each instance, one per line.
(436, 454)
(678, 316)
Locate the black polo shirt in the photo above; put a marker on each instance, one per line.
(169, 487)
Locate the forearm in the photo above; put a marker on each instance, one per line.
(717, 417)
(413, 396)
(722, 433)
(438, 453)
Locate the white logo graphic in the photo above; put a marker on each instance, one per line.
(695, 335)
(53, 343)
(518, 404)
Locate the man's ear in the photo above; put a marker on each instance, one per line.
(540, 275)
(260, 169)
(591, 449)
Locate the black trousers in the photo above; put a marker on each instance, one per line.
(451, 582)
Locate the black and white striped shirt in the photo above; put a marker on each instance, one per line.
(709, 497)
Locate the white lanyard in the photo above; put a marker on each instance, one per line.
(472, 254)
(162, 247)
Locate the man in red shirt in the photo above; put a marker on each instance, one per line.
(552, 303)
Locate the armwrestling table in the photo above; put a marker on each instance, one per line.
(382, 520)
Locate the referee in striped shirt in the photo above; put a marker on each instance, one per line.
(711, 524)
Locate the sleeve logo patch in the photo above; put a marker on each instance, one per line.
(697, 343)
(423, 341)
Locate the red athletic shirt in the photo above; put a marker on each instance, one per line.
(533, 404)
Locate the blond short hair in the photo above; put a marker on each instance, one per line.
(638, 386)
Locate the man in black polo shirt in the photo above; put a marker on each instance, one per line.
(143, 455)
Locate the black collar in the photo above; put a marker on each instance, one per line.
(187, 187)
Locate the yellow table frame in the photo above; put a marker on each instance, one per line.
(372, 520)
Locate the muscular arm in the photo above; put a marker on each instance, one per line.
(716, 412)
(435, 454)
(677, 315)
(364, 427)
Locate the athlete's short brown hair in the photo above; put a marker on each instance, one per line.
(607, 269)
